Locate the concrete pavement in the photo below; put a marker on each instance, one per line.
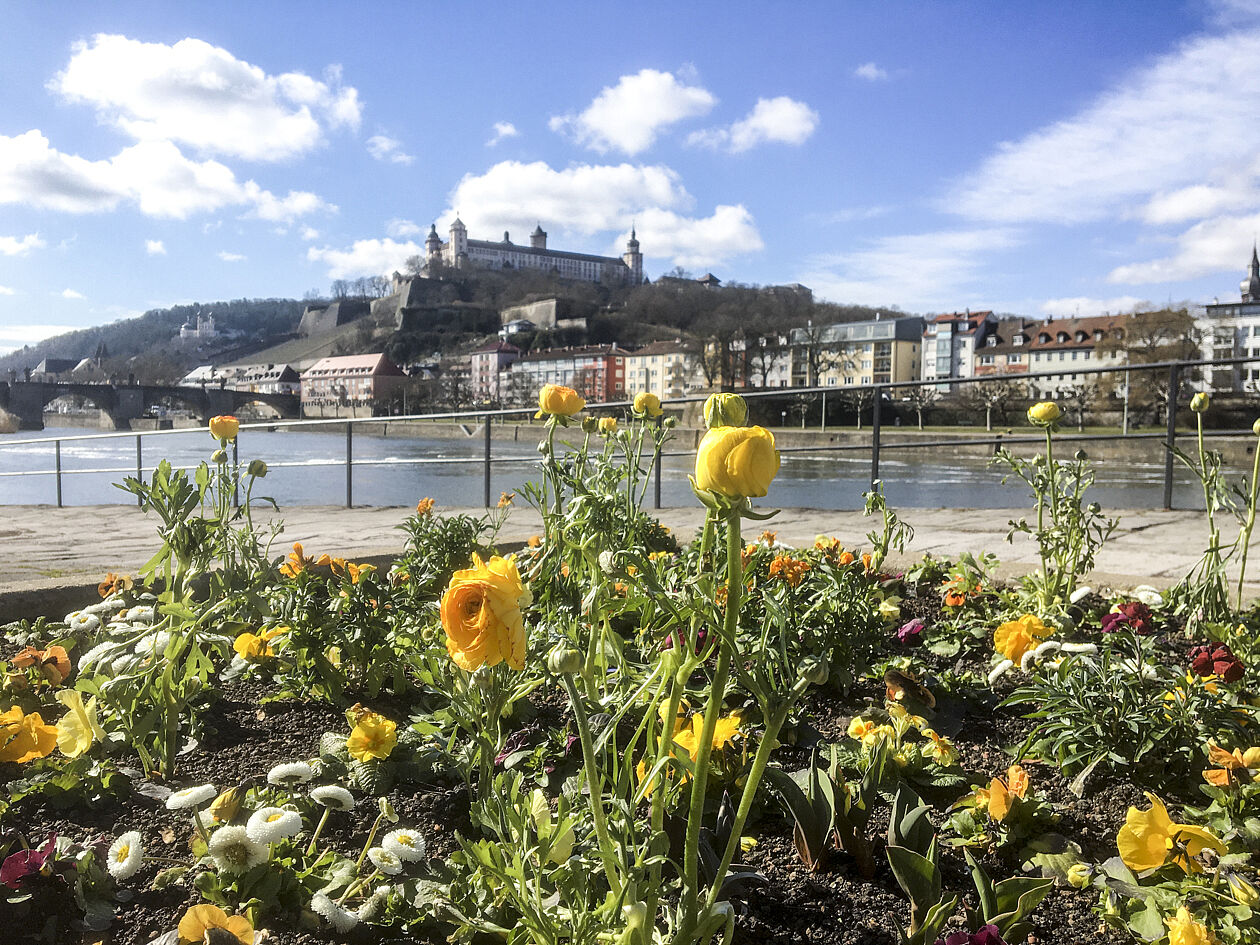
(50, 555)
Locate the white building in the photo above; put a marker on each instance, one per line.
(950, 343)
(1232, 330)
(460, 252)
(664, 368)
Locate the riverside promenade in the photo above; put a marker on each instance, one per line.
(52, 558)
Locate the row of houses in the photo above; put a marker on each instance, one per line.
(335, 386)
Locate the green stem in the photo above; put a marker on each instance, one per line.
(1052, 476)
(319, 828)
(608, 853)
(717, 693)
(1251, 521)
(367, 846)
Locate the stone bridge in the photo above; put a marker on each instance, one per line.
(119, 404)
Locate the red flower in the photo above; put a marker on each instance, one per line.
(1216, 659)
(1135, 615)
(24, 863)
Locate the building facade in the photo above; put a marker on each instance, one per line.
(487, 368)
(950, 343)
(1232, 330)
(597, 372)
(1060, 344)
(460, 252)
(875, 351)
(353, 385)
(664, 368)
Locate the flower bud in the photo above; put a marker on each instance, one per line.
(1046, 413)
(813, 670)
(1078, 875)
(1244, 893)
(636, 915)
(257, 468)
(648, 404)
(1080, 456)
(1200, 402)
(563, 660)
(606, 563)
(387, 810)
(218, 456)
(483, 678)
(1255, 428)
(725, 410)
(607, 425)
(589, 424)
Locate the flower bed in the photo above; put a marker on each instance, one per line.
(619, 735)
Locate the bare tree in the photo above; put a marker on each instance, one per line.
(860, 399)
(1148, 338)
(988, 397)
(920, 398)
(1080, 399)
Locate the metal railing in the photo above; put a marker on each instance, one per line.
(876, 445)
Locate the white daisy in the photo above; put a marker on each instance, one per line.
(343, 920)
(139, 615)
(287, 775)
(191, 796)
(405, 844)
(269, 824)
(334, 796)
(153, 645)
(122, 664)
(125, 855)
(234, 851)
(99, 610)
(388, 863)
(82, 622)
(92, 656)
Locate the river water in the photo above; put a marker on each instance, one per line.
(912, 479)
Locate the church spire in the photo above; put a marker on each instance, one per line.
(1250, 286)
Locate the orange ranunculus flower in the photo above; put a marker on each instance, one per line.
(846, 557)
(1149, 838)
(114, 584)
(53, 663)
(557, 401)
(225, 427)
(1016, 637)
(737, 461)
(1003, 794)
(481, 614)
(296, 562)
(424, 506)
(791, 570)
(25, 737)
(373, 736)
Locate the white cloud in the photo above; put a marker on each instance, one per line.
(584, 198)
(20, 245)
(780, 119)
(1082, 306)
(374, 257)
(308, 233)
(203, 96)
(71, 294)
(502, 129)
(387, 149)
(155, 247)
(5, 290)
(400, 229)
(14, 336)
(871, 72)
(1185, 120)
(696, 242)
(154, 175)
(629, 115)
(230, 257)
(1213, 245)
(923, 270)
(853, 214)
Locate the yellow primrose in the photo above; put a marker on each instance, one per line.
(939, 748)
(79, 727)
(1150, 838)
(860, 728)
(890, 608)
(1183, 930)
(373, 736)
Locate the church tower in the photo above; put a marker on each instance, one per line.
(458, 244)
(1251, 285)
(432, 245)
(633, 259)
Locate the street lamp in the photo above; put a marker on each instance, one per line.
(783, 418)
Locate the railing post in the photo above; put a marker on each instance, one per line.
(656, 475)
(1174, 382)
(486, 456)
(349, 465)
(822, 427)
(879, 395)
(139, 469)
(236, 465)
(57, 457)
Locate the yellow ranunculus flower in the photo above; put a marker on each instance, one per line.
(737, 461)
(1148, 839)
(557, 401)
(725, 410)
(373, 736)
(224, 428)
(1183, 930)
(647, 404)
(1044, 413)
(1200, 402)
(199, 920)
(481, 613)
(1016, 637)
(25, 737)
(607, 425)
(79, 727)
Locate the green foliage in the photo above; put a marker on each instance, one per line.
(915, 861)
(1006, 904)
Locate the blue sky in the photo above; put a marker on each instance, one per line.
(1028, 157)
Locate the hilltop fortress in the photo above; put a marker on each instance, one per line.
(460, 252)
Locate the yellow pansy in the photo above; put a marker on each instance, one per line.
(1183, 930)
(1150, 838)
(79, 727)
